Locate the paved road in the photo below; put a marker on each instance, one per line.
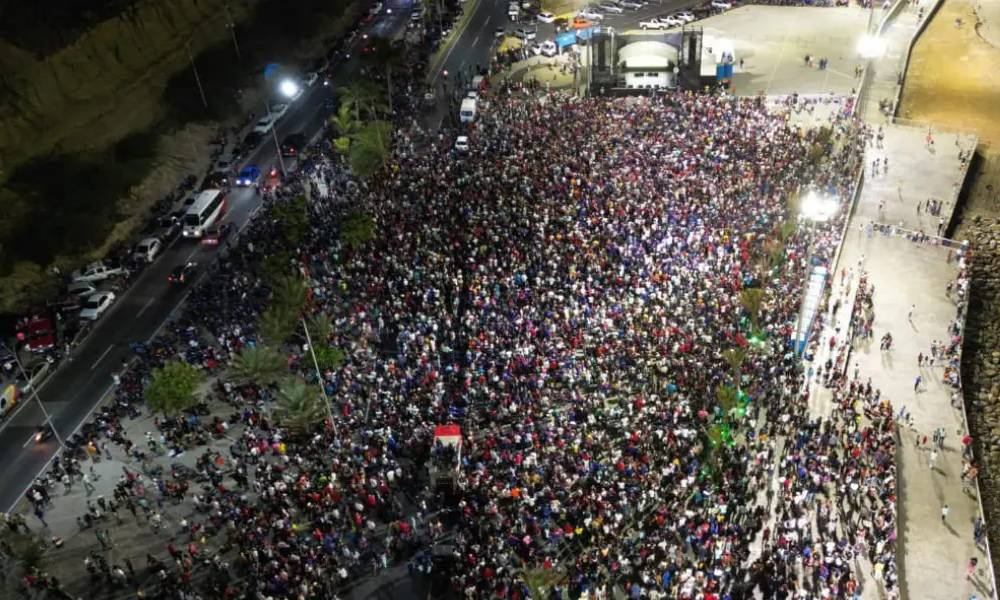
(78, 386)
(477, 43)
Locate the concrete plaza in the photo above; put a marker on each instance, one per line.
(773, 42)
(933, 554)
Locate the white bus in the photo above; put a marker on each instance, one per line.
(208, 207)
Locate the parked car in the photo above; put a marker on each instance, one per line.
(629, 4)
(310, 79)
(96, 271)
(251, 141)
(96, 304)
(248, 176)
(590, 13)
(182, 274)
(549, 48)
(217, 234)
(279, 110)
(169, 225)
(580, 22)
(462, 144)
(721, 4)
(659, 23)
(265, 125)
(147, 250)
(685, 15)
(81, 288)
(535, 49)
(499, 32)
(526, 33)
(611, 8)
(546, 17)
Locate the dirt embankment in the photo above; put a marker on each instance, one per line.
(115, 114)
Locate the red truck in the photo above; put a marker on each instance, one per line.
(38, 332)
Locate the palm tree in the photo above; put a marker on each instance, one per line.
(363, 95)
(369, 149)
(258, 365)
(786, 230)
(751, 299)
(320, 327)
(388, 56)
(346, 126)
(276, 325)
(299, 407)
(735, 358)
(727, 397)
(290, 293)
(356, 229)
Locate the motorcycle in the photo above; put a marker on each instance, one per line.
(43, 433)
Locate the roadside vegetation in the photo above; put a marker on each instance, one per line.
(60, 207)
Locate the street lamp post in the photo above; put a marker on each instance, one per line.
(197, 78)
(34, 394)
(288, 89)
(319, 376)
(231, 25)
(274, 134)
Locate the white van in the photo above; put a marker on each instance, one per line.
(467, 113)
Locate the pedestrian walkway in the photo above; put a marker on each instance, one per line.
(911, 170)
(886, 71)
(127, 535)
(910, 279)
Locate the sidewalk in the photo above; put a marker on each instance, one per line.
(916, 173)
(132, 537)
(886, 71)
(932, 555)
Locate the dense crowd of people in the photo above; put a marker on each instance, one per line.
(570, 292)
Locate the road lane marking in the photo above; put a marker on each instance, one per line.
(101, 357)
(48, 463)
(488, 19)
(474, 40)
(25, 445)
(144, 307)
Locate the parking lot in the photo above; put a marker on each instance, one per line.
(546, 27)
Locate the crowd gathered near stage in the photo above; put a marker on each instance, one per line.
(571, 293)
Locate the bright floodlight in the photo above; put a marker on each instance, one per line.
(288, 88)
(871, 46)
(818, 208)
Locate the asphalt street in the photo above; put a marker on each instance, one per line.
(81, 382)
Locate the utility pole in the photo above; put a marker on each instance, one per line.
(274, 134)
(197, 78)
(319, 375)
(231, 25)
(34, 395)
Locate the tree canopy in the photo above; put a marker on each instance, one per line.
(172, 387)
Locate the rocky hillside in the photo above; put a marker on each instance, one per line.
(981, 363)
(108, 82)
(107, 102)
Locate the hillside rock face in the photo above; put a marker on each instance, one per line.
(981, 366)
(106, 83)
